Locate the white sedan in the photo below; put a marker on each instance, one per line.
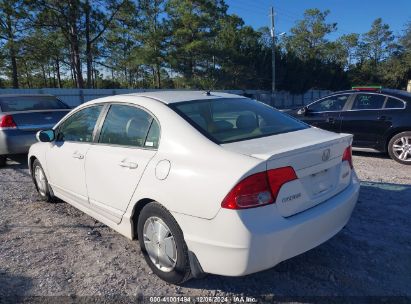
(207, 182)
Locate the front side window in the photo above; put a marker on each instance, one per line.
(227, 120)
(328, 104)
(129, 126)
(79, 127)
(368, 102)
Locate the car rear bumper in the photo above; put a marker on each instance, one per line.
(16, 141)
(237, 243)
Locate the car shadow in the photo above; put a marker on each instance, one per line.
(371, 154)
(370, 256)
(12, 287)
(18, 161)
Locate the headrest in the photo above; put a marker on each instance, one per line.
(223, 125)
(247, 122)
(136, 128)
(200, 121)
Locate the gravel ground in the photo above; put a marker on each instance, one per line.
(56, 250)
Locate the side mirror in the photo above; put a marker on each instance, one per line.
(303, 111)
(45, 135)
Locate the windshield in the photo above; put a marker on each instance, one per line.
(29, 103)
(225, 120)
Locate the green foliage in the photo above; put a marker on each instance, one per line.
(187, 44)
(378, 42)
(318, 62)
(308, 37)
(192, 45)
(379, 59)
(240, 57)
(13, 19)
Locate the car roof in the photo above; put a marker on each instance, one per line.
(404, 95)
(169, 97)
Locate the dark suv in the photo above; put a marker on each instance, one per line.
(380, 119)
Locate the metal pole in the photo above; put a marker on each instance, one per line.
(272, 50)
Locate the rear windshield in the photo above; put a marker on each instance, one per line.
(28, 103)
(234, 119)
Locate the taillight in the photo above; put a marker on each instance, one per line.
(347, 156)
(259, 189)
(252, 191)
(278, 177)
(7, 122)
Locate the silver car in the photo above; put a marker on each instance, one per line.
(21, 116)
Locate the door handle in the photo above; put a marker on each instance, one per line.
(330, 119)
(383, 117)
(127, 164)
(77, 155)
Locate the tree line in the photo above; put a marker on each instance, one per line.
(187, 44)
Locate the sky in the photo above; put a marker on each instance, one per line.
(352, 16)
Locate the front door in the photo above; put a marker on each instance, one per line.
(65, 159)
(325, 113)
(128, 140)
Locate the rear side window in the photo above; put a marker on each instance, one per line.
(79, 127)
(230, 119)
(368, 102)
(332, 103)
(394, 103)
(153, 135)
(129, 126)
(30, 103)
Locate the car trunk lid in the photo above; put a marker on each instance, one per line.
(37, 120)
(316, 157)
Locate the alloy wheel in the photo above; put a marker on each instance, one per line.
(402, 148)
(40, 180)
(160, 244)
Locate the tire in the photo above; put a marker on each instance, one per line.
(41, 182)
(174, 267)
(2, 160)
(399, 148)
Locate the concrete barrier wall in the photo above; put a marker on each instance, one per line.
(286, 100)
(74, 97)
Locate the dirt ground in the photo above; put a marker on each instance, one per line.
(56, 250)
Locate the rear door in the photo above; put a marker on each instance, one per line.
(128, 140)
(365, 120)
(325, 113)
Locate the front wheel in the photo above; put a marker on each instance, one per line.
(399, 148)
(41, 182)
(162, 244)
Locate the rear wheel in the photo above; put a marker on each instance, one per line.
(2, 160)
(162, 244)
(399, 148)
(41, 182)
